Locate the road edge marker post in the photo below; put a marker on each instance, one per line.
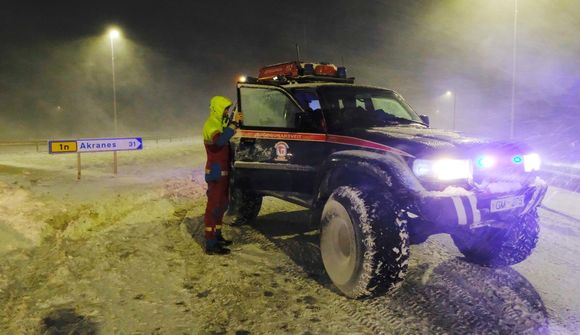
(115, 163)
(78, 166)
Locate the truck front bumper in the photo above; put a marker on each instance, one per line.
(458, 208)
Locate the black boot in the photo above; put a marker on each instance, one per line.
(221, 240)
(212, 247)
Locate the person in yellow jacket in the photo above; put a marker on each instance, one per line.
(217, 131)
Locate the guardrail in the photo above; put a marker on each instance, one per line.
(42, 145)
(561, 175)
(37, 144)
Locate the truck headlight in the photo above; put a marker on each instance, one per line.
(443, 169)
(532, 162)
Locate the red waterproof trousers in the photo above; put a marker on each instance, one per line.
(217, 204)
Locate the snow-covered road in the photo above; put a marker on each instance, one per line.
(115, 255)
(444, 294)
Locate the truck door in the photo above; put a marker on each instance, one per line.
(279, 146)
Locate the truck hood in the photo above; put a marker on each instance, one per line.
(424, 142)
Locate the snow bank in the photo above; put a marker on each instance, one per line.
(563, 201)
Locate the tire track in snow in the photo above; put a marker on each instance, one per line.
(290, 269)
(458, 297)
(441, 294)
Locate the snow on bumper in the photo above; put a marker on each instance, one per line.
(456, 206)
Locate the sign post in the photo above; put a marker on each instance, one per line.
(94, 145)
(78, 166)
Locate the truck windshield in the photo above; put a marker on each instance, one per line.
(356, 107)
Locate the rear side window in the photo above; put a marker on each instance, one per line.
(307, 98)
(264, 107)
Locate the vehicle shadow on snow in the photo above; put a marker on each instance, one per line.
(453, 296)
(293, 235)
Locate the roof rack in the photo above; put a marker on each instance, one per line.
(283, 80)
(301, 72)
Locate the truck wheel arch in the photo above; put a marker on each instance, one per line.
(359, 167)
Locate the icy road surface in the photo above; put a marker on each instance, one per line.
(111, 255)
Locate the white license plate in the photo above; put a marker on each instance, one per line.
(503, 204)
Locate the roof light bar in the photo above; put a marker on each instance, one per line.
(298, 70)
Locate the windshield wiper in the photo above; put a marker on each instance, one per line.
(397, 120)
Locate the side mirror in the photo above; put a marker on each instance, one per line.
(424, 118)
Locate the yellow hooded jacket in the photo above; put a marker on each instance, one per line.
(214, 123)
(216, 136)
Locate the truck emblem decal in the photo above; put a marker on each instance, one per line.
(282, 152)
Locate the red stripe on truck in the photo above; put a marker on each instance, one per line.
(318, 137)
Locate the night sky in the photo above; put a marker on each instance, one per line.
(55, 71)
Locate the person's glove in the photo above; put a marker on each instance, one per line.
(238, 118)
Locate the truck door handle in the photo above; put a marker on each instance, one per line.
(248, 140)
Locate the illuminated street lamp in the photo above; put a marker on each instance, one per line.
(113, 35)
(450, 94)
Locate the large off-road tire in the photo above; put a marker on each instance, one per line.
(364, 241)
(496, 247)
(246, 207)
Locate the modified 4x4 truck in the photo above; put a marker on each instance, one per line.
(376, 176)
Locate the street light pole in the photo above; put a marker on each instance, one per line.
(452, 94)
(454, 105)
(113, 34)
(514, 59)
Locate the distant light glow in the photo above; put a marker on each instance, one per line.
(242, 79)
(114, 34)
(448, 93)
(532, 162)
(486, 162)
